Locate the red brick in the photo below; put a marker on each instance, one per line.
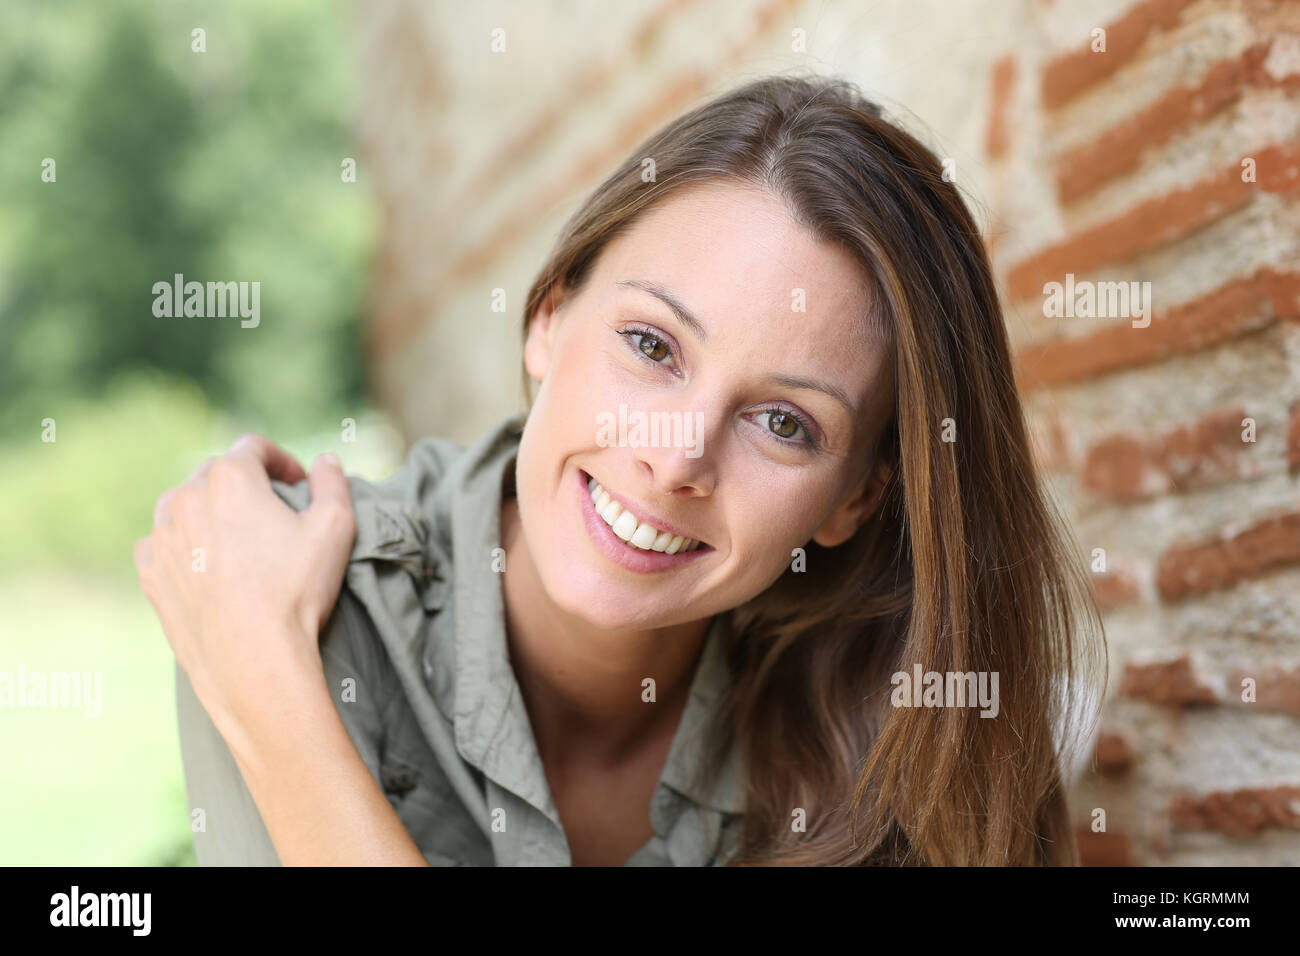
(1103, 849)
(1128, 467)
(1277, 168)
(1284, 294)
(1204, 452)
(1114, 588)
(1171, 682)
(1003, 80)
(1114, 754)
(1238, 812)
(1242, 305)
(1071, 74)
(1147, 226)
(1158, 221)
(1197, 568)
(1117, 466)
(1277, 689)
(1293, 439)
(1119, 148)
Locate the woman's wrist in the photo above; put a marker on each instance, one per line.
(279, 709)
(317, 798)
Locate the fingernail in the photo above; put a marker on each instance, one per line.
(329, 458)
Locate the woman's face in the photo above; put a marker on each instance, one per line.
(744, 425)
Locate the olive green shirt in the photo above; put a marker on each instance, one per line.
(415, 653)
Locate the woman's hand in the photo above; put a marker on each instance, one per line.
(242, 583)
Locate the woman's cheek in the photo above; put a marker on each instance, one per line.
(754, 566)
(589, 381)
(772, 536)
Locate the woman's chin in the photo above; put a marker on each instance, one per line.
(612, 606)
(599, 611)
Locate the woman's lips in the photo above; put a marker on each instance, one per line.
(646, 534)
(619, 551)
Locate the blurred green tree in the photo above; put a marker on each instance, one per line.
(223, 165)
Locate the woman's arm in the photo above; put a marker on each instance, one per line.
(242, 585)
(316, 796)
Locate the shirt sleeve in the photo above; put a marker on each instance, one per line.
(230, 831)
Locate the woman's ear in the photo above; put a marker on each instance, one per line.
(541, 333)
(845, 520)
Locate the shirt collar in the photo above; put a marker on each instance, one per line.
(483, 700)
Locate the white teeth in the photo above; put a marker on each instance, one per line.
(638, 534)
(644, 537)
(625, 525)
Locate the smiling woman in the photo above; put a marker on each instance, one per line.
(566, 649)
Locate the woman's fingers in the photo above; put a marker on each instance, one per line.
(162, 510)
(250, 454)
(143, 553)
(278, 464)
(219, 539)
(331, 498)
(201, 471)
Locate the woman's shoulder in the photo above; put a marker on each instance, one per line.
(413, 504)
(416, 481)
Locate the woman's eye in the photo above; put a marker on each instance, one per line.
(650, 345)
(784, 425)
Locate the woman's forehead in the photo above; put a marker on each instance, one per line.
(735, 250)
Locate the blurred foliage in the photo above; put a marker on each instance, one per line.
(222, 165)
(88, 495)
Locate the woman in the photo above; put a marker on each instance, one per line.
(586, 642)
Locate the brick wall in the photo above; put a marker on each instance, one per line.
(1173, 443)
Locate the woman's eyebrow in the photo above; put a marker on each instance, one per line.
(684, 315)
(795, 381)
(688, 319)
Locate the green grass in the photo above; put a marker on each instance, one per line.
(78, 789)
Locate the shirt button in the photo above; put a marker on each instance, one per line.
(428, 669)
(399, 781)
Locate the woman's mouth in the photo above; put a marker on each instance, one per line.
(628, 539)
(637, 533)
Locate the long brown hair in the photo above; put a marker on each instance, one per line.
(966, 566)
